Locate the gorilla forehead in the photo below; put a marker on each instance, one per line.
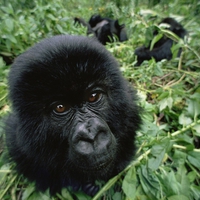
(69, 61)
(63, 64)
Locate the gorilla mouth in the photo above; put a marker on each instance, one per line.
(98, 167)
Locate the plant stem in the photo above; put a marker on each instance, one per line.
(185, 128)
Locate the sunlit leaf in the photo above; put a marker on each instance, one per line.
(184, 120)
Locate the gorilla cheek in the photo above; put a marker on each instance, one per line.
(93, 146)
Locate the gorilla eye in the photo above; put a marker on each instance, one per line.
(60, 108)
(94, 97)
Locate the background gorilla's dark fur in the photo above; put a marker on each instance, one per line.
(104, 28)
(162, 48)
(74, 116)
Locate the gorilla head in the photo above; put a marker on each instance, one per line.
(74, 116)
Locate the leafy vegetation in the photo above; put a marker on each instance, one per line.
(167, 163)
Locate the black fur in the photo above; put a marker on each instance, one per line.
(162, 49)
(104, 29)
(93, 139)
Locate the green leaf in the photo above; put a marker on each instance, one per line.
(194, 105)
(158, 152)
(65, 193)
(50, 16)
(149, 182)
(197, 129)
(31, 194)
(117, 196)
(178, 197)
(28, 192)
(169, 183)
(155, 39)
(164, 103)
(184, 120)
(130, 183)
(12, 39)
(194, 158)
(192, 176)
(9, 24)
(59, 28)
(149, 128)
(195, 191)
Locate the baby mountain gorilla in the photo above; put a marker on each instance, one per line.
(74, 117)
(162, 48)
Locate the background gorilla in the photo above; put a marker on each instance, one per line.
(74, 116)
(162, 48)
(104, 29)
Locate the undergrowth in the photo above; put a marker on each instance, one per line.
(167, 162)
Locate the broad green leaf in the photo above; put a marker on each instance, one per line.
(130, 183)
(81, 196)
(194, 105)
(178, 197)
(170, 185)
(158, 70)
(194, 158)
(117, 196)
(12, 38)
(179, 157)
(50, 16)
(31, 194)
(164, 103)
(149, 128)
(163, 94)
(28, 192)
(149, 182)
(9, 24)
(197, 129)
(192, 176)
(158, 152)
(154, 163)
(140, 194)
(59, 28)
(184, 120)
(65, 193)
(195, 192)
(183, 180)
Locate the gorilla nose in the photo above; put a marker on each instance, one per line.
(91, 136)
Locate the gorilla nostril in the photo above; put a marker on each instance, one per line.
(102, 140)
(84, 147)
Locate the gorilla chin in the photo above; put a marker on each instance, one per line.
(74, 117)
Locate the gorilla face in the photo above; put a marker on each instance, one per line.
(74, 117)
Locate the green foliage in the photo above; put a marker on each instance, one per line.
(167, 162)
